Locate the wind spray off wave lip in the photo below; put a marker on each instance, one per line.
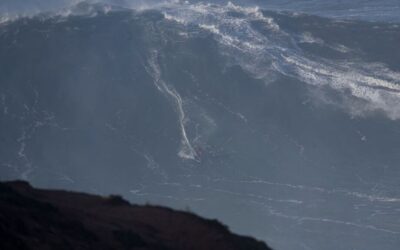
(385, 10)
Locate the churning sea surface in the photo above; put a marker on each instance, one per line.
(279, 118)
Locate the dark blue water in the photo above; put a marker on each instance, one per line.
(282, 120)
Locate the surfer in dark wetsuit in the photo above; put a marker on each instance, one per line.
(199, 152)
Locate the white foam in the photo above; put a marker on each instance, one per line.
(262, 55)
(4, 19)
(307, 37)
(340, 48)
(232, 31)
(378, 93)
(173, 18)
(268, 53)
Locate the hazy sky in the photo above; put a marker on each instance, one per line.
(383, 10)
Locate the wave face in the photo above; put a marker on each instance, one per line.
(284, 126)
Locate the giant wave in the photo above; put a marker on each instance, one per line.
(283, 125)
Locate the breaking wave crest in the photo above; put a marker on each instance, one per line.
(255, 42)
(252, 39)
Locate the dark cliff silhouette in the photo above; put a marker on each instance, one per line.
(32, 218)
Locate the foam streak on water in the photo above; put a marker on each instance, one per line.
(186, 151)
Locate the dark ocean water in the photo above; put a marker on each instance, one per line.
(282, 121)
